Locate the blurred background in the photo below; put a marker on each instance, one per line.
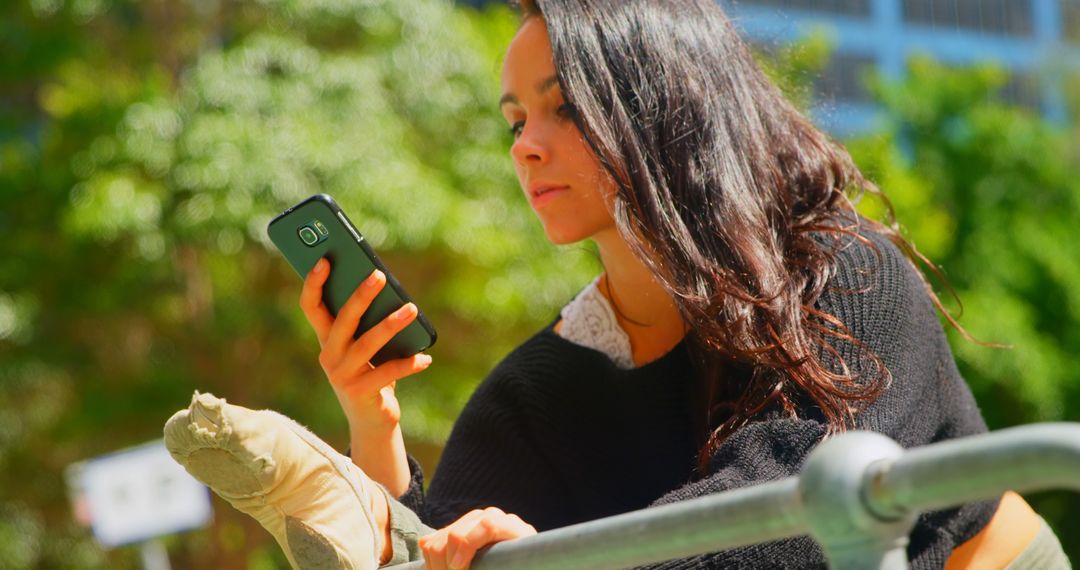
(144, 146)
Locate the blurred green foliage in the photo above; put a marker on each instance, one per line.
(145, 145)
(991, 194)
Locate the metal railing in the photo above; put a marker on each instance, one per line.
(858, 496)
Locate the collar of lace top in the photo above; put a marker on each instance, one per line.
(589, 320)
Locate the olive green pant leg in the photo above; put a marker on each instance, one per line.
(405, 531)
(1043, 553)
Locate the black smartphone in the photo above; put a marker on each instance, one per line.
(316, 228)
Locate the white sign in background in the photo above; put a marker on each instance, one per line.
(141, 493)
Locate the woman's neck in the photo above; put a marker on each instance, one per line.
(643, 308)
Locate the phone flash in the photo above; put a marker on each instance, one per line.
(319, 226)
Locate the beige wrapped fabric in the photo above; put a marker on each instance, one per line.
(308, 496)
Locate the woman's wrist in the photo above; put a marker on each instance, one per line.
(370, 417)
(381, 455)
(369, 430)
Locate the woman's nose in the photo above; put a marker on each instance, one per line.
(529, 148)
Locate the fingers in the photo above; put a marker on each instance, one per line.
(348, 318)
(355, 377)
(454, 547)
(434, 546)
(379, 335)
(311, 303)
(461, 547)
(347, 362)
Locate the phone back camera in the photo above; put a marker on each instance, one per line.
(309, 235)
(312, 233)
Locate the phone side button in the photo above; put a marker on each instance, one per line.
(352, 230)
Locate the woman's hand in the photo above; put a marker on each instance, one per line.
(453, 547)
(366, 393)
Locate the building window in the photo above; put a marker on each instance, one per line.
(854, 8)
(1022, 88)
(1070, 20)
(844, 79)
(1007, 17)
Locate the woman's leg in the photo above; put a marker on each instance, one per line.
(405, 532)
(312, 499)
(1043, 553)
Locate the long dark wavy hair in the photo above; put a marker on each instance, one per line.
(722, 186)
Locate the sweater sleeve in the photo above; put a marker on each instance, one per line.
(879, 297)
(413, 497)
(758, 453)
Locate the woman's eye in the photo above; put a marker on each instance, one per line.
(566, 110)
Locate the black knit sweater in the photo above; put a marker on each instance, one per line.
(557, 434)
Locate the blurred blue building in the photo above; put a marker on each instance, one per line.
(1033, 40)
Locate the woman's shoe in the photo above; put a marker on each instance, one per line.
(312, 499)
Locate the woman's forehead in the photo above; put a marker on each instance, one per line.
(528, 57)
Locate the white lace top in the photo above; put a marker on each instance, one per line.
(589, 320)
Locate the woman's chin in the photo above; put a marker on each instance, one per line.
(559, 234)
(563, 239)
(565, 234)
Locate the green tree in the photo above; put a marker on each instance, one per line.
(143, 162)
(990, 192)
(144, 146)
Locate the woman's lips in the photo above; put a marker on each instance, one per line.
(546, 195)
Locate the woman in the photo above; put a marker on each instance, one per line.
(744, 312)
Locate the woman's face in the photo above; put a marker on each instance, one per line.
(565, 184)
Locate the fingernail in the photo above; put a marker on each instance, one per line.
(407, 311)
(320, 265)
(458, 562)
(373, 279)
(423, 359)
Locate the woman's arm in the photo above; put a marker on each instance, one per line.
(366, 393)
(883, 303)
(381, 454)
(760, 452)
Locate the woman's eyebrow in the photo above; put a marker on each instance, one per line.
(541, 87)
(546, 84)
